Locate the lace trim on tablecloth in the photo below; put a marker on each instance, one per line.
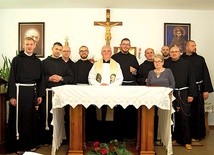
(135, 95)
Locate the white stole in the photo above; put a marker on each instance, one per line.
(98, 74)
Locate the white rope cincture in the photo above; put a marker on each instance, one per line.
(46, 123)
(17, 105)
(199, 82)
(173, 119)
(17, 110)
(183, 88)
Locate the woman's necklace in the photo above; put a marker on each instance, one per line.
(158, 72)
(158, 75)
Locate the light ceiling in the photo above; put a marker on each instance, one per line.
(131, 4)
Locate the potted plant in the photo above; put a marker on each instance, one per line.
(4, 74)
(113, 148)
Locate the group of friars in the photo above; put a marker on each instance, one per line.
(29, 126)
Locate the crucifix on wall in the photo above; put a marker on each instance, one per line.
(108, 25)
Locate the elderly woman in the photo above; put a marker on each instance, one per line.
(160, 76)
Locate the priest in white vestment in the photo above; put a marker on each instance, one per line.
(105, 72)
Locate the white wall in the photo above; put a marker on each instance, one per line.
(145, 28)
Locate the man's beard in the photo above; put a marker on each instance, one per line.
(165, 54)
(84, 56)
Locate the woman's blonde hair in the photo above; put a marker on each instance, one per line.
(159, 56)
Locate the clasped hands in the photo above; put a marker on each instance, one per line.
(13, 101)
(55, 78)
(133, 70)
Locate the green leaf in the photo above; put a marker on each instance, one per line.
(5, 69)
(114, 148)
(93, 153)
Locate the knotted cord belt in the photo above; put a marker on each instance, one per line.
(180, 101)
(198, 83)
(17, 104)
(183, 88)
(128, 81)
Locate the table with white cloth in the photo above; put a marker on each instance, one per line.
(208, 108)
(142, 98)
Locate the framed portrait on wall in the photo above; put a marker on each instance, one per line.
(176, 34)
(36, 30)
(132, 50)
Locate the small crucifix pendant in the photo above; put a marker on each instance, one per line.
(37, 107)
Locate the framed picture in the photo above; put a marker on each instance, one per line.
(132, 50)
(176, 34)
(36, 30)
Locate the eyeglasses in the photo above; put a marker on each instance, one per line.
(125, 44)
(83, 50)
(174, 51)
(66, 51)
(158, 61)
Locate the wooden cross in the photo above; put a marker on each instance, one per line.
(108, 25)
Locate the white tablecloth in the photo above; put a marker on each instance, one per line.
(208, 107)
(74, 95)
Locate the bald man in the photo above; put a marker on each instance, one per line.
(184, 92)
